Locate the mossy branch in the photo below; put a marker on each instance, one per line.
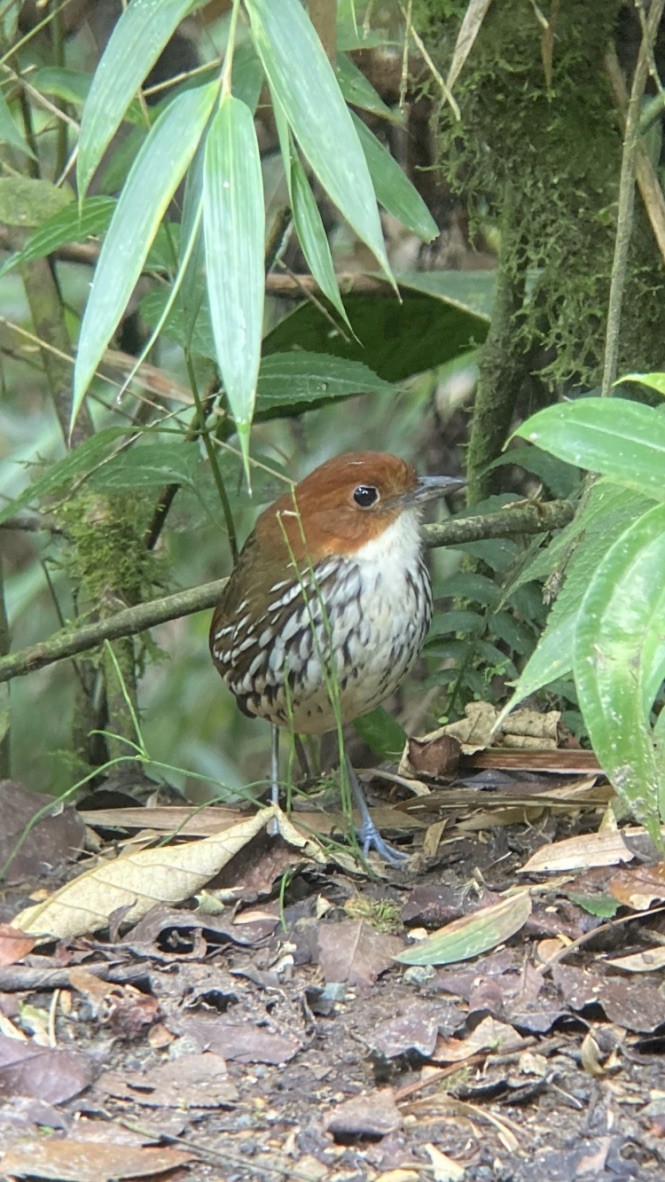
(516, 520)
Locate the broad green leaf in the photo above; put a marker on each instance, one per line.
(233, 219)
(456, 620)
(393, 188)
(358, 90)
(147, 466)
(472, 934)
(552, 658)
(623, 440)
(382, 733)
(396, 340)
(136, 42)
(472, 291)
(247, 76)
(655, 381)
(317, 114)
(307, 218)
(27, 201)
(71, 224)
(153, 179)
(73, 466)
(619, 664)
(472, 586)
(559, 477)
(9, 132)
(294, 382)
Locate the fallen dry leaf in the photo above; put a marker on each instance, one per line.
(353, 952)
(136, 881)
(577, 853)
(190, 1081)
(43, 1072)
(87, 1161)
(638, 888)
(372, 1115)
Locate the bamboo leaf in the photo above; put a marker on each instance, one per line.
(74, 223)
(472, 934)
(9, 132)
(152, 181)
(317, 114)
(358, 90)
(136, 42)
(393, 188)
(307, 218)
(233, 219)
(76, 464)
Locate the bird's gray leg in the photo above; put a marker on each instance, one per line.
(274, 777)
(368, 834)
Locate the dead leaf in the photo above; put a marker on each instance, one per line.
(488, 1035)
(46, 1073)
(87, 1161)
(475, 13)
(576, 853)
(136, 881)
(190, 1081)
(353, 952)
(444, 1168)
(14, 945)
(30, 850)
(415, 1028)
(648, 961)
(638, 888)
(438, 757)
(242, 1042)
(372, 1115)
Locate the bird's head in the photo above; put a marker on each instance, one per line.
(346, 503)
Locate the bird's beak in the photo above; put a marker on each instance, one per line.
(428, 488)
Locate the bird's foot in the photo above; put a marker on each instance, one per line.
(370, 839)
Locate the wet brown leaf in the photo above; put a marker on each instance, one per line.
(371, 1115)
(190, 1081)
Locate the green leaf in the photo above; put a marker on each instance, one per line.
(472, 934)
(136, 42)
(393, 188)
(9, 132)
(307, 219)
(358, 90)
(71, 224)
(382, 733)
(294, 382)
(623, 440)
(396, 340)
(147, 466)
(552, 658)
(458, 620)
(73, 466)
(233, 217)
(619, 664)
(472, 586)
(559, 477)
(153, 179)
(655, 381)
(317, 114)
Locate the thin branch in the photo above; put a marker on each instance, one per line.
(518, 519)
(627, 198)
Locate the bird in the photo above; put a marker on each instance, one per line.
(327, 607)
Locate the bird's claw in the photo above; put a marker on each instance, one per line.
(370, 839)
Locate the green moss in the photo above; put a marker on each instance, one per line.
(555, 142)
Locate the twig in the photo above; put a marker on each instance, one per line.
(522, 519)
(627, 199)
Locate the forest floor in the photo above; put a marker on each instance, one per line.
(263, 1029)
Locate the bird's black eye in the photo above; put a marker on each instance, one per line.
(365, 496)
